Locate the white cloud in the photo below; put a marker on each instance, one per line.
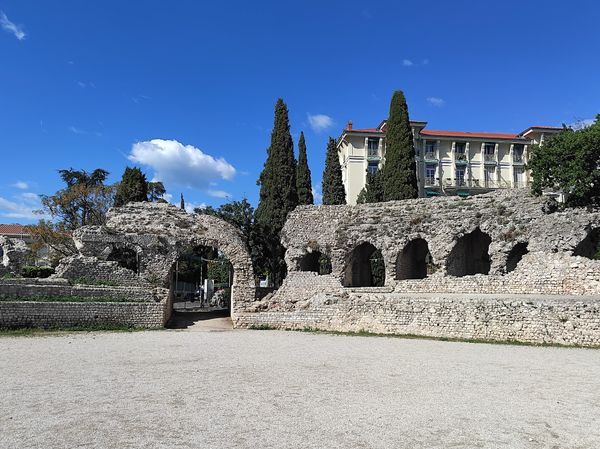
(319, 122)
(317, 195)
(435, 101)
(219, 193)
(23, 210)
(189, 207)
(407, 63)
(582, 123)
(177, 164)
(76, 130)
(21, 185)
(30, 197)
(7, 25)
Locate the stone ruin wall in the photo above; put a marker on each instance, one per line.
(14, 256)
(545, 295)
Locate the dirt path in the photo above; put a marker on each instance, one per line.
(267, 389)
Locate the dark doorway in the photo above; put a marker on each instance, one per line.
(590, 246)
(470, 255)
(515, 255)
(365, 267)
(316, 262)
(414, 260)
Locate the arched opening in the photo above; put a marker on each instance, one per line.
(590, 246)
(201, 284)
(365, 267)
(316, 262)
(414, 262)
(515, 255)
(126, 258)
(470, 255)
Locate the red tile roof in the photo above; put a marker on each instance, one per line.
(363, 130)
(12, 229)
(466, 134)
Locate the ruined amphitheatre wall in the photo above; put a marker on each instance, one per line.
(530, 284)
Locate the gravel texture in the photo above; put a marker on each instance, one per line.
(263, 389)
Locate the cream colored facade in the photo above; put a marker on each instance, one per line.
(447, 162)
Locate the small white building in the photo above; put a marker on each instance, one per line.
(447, 162)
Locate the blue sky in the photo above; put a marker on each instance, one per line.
(187, 89)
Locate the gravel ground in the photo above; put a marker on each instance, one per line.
(263, 389)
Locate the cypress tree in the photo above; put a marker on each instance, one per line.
(278, 194)
(303, 180)
(133, 187)
(373, 190)
(182, 202)
(333, 187)
(399, 171)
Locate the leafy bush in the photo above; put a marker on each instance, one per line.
(36, 272)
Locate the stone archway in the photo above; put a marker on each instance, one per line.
(413, 261)
(162, 232)
(361, 263)
(470, 255)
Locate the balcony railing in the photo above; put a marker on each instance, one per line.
(430, 156)
(430, 181)
(373, 152)
(489, 157)
(518, 158)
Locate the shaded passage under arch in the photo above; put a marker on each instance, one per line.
(470, 255)
(316, 262)
(364, 267)
(413, 261)
(515, 255)
(590, 246)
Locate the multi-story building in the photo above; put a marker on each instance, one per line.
(447, 162)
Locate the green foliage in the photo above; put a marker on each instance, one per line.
(156, 190)
(241, 215)
(373, 190)
(182, 202)
(377, 269)
(36, 272)
(399, 171)
(569, 162)
(84, 201)
(133, 187)
(303, 179)
(278, 195)
(333, 186)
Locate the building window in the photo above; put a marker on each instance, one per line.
(518, 177)
(460, 151)
(489, 151)
(430, 149)
(430, 175)
(518, 150)
(460, 177)
(373, 146)
(372, 167)
(490, 177)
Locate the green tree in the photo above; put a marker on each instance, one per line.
(333, 186)
(133, 187)
(84, 201)
(156, 190)
(569, 162)
(373, 190)
(399, 171)
(278, 195)
(303, 179)
(182, 202)
(241, 215)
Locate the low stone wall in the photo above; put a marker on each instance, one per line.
(24, 288)
(68, 314)
(568, 320)
(119, 306)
